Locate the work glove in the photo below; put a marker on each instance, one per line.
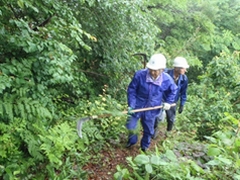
(130, 111)
(166, 106)
(180, 110)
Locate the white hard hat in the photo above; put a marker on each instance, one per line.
(180, 62)
(156, 62)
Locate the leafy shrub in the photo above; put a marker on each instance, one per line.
(217, 93)
(111, 121)
(217, 158)
(224, 147)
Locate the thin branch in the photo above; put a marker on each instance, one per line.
(44, 23)
(144, 57)
(15, 14)
(97, 74)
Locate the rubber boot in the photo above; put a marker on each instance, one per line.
(132, 140)
(169, 129)
(156, 128)
(156, 132)
(169, 126)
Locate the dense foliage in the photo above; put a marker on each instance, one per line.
(63, 60)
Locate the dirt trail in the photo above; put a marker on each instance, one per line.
(105, 168)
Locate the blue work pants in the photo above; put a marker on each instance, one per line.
(147, 122)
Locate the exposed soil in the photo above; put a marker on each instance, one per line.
(105, 167)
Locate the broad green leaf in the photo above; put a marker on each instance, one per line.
(20, 3)
(236, 45)
(212, 139)
(238, 163)
(196, 167)
(213, 151)
(155, 160)
(213, 163)
(237, 143)
(163, 163)
(171, 156)
(236, 176)
(148, 168)
(142, 159)
(225, 160)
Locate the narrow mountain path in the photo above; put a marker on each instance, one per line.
(105, 167)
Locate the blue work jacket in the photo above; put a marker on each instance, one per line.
(182, 84)
(144, 92)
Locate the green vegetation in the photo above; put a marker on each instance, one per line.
(64, 60)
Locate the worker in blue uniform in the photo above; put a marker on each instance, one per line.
(177, 73)
(146, 90)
